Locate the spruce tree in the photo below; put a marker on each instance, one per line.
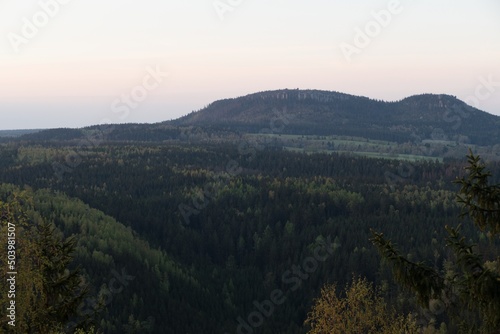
(48, 292)
(468, 289)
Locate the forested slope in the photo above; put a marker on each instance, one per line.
(209, 230)
(314, 112)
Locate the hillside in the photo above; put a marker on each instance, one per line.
(438, 119)
(313, 112)
(208, 230)
(311, 121)
(107, 250)
(15, 133)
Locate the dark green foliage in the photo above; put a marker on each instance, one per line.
(435, 118)
(54, 135)
(63, 287)
(478, 285)
(480, 200)
(48, 291)
(426, 282)
(308, 112)
(469, 287)
(121, 201)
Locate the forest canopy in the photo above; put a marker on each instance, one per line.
(256, 217)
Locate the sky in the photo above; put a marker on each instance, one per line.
(74, 63)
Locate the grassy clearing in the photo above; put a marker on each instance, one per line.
(403, 157)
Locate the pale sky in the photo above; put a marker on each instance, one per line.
(73, 63)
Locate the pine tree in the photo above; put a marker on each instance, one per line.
(468, 289)
(48, 293)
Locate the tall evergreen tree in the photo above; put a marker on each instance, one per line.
(468, 288)
(47, 293)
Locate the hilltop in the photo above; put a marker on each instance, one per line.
(314, 112)
(416, 127)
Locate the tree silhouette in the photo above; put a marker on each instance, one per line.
(468, 288)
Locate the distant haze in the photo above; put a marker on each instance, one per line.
(76, 63)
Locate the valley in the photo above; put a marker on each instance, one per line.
(209, 221)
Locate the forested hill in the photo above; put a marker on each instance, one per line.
(312, 112)
(421, 126)
(204, 230)
(331, 113)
